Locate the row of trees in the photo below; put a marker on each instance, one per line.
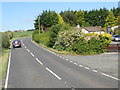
(102, 17)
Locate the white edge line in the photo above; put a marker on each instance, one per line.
(44, 48)
(39, 61)
(110, 76)
(8, 70)
(53, 73)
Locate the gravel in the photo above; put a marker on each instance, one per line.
(106, 62)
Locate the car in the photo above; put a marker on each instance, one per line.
(116, 38)
(16, 43)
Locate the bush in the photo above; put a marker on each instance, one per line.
(5, 41)
(10, 34)
(42, 38)
(95, 45)
(54, 32)
(66, 39)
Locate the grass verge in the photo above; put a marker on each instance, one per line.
(3, 65)
(56, 51)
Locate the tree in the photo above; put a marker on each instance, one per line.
(96, 17)
(69, 17)
(48, 18)
(60, 21)
(80, 17)
(110, 20)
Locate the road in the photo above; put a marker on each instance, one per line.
(32, 66)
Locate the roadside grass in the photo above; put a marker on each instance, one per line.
(56, 51)
(3, 66)
(3, 63)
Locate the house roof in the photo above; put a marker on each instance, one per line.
(93, 29)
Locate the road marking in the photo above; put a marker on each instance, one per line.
(8, 70)
(32, 54)
(53, 73)
(39, 61)
(75, 63)
(63, 58)
(87, 67)
(28, 50)
(60, 56)
(66, 59)
(25, 46)
(81, 65)
(71, 61)
(94, 71)
(110, 76)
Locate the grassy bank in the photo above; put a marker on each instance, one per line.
(22, 34)
(56, 51)
(3, 66)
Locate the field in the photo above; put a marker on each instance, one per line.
(22, 34)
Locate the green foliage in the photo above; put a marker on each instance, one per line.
(110, 20)
(116, 31)
(74, 40)
(93, 46)
(41, 38)
(48, 18)
(5, 40)
(10, 34)
(69, 17)
(66, 39)
(96, 17)
(80, 17)
(61, 21)
(53, 33)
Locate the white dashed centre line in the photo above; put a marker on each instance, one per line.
(75, 63)
(95, 71)
(39, 61)
(32, 54)
(66, 59)
(28, 50)
(81, 65)
(87, 68)
(71, 61)
(53, 73)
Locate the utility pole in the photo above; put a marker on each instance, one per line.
(39, 23)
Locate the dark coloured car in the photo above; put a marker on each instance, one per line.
(116, 37)
(16, 43)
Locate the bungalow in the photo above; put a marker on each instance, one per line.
(96, 29)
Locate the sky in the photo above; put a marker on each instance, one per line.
(21, 15)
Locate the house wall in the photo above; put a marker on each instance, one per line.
(85, 31)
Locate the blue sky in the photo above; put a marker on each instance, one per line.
(21, 15)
